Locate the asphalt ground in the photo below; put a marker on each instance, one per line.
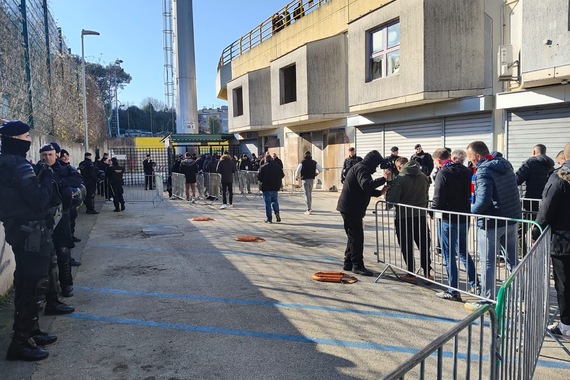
(159, 296)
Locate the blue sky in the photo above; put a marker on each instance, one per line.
(132, 30)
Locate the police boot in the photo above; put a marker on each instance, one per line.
(23, 347)
(42, 338)
(64, 266)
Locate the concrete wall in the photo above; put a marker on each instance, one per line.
(259, 84)
(545, 20)
(289, 112)
(256, 93)
(454, 46)
(366, 96)
(328, 76)
(329, 20)
(446, 50)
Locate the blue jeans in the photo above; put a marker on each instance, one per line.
(504, 238)
(308, 189)
(453, 239)
(270, 199)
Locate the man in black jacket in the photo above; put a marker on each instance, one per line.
(270, 175)
(349, 162)
(534, 172)
(553, 211)
(89, 174)
(424, 159)
(352, 203)
(115, 175)
(226, 168)
(452, 193)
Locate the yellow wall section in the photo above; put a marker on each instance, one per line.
(148, 142)
(330, 19)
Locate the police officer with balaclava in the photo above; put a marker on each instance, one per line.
(25, 197)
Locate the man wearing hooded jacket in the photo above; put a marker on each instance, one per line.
(554, 212)
(356, 192)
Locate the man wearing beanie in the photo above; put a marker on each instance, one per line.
(354, 199)
(24, 211)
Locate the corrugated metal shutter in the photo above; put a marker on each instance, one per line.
(405, 136)
(527, 127)
(460, 131)
(369, 138)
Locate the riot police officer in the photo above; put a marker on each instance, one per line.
(115, 175)
(62, 238)
(25, 198)
(89, 174)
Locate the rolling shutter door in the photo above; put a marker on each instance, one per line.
(461, 131)
(406, 135)
(528, 127)
(369, 138)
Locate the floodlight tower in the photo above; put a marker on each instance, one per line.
(185, 67)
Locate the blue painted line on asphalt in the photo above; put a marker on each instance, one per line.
(383, 314)
(223, 252)
(288, 337)
(252, 334)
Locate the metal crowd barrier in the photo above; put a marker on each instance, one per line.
(134, 188)
(471, 354)
(421, 242)
(290, 184)
(208, 186)
(522, 312)
(248, 184)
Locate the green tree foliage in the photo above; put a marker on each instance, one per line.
(214, 125)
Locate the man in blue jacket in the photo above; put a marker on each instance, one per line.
(495, 194)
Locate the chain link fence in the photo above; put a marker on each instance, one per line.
(40, 81)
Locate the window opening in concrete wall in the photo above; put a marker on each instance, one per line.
(288, 84)
(383, 51)
(238, 101)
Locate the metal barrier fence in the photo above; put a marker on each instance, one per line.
(208, 187)
(472, 355)
(135, 190)
(522, 311)
(465, 234)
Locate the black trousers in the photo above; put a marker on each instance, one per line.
(354, 252)
(148, 178)
(90, 197)
(118, 196)
(227, 186)
(561, 269)
(30, 279)
(408, 231)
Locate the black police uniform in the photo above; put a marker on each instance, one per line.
(89, 174)
(64, 177)
(115, 175)
(25, 212)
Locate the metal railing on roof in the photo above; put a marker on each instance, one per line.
(284, 17)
